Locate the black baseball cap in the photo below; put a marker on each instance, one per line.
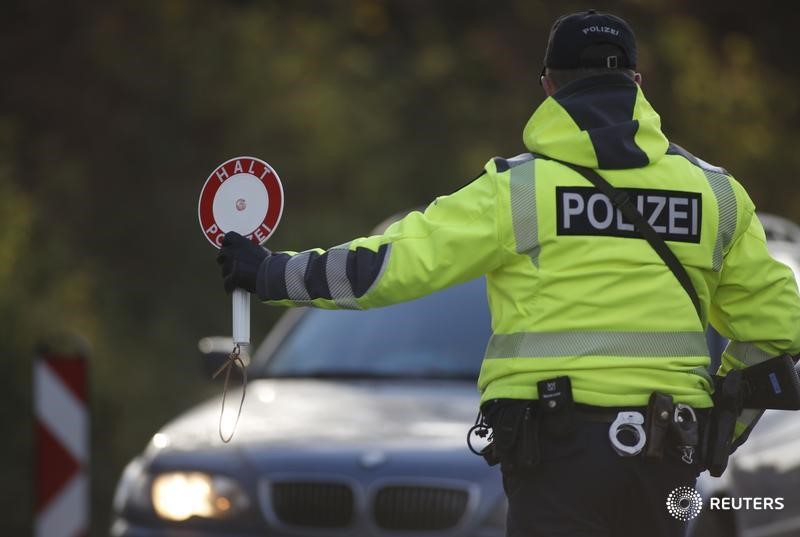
(590, 39)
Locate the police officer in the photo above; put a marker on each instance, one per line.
(587, 318)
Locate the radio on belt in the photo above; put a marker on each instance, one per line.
(245, 195)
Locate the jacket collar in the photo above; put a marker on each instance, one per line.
(601, 122)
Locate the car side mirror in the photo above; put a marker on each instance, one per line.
(213, 352)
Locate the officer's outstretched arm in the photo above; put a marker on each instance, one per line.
(454, 240)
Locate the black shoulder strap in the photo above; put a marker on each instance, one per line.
(622, 201)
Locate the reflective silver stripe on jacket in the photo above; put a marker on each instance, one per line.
(726, 204)
(336, 276)
(562, 344)
(747, 353)
(523, 205)
(294, 277)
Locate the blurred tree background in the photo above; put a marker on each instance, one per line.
(112, 114)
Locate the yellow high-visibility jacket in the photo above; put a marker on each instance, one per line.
(572, 289)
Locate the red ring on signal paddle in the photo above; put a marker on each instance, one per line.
(252, 166)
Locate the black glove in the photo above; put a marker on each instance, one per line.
(240, 258)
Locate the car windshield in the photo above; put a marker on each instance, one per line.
(442, 335)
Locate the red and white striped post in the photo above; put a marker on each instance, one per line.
(60, 391)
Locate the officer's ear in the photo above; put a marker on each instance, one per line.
(637, 77)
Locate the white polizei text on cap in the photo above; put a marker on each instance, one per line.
(600, 29)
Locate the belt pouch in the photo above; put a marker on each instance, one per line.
(657, 420)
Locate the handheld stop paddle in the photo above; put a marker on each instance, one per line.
(245, 195)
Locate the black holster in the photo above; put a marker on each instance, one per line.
(718, 435)
(773, 383)
(518, 425)
(515, 435)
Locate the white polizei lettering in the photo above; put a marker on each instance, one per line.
(590, 211)
(640, 204)
(266, 227)
(675, 214)
(694, 217)
(569, 209)
(621, 225)
(218, 239)
(260, 235)
(600, 29)
(250, 169)
(237, 168)
(222, 174)
(213, 229)
(660, 202)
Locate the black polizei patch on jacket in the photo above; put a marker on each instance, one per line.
(675, 215)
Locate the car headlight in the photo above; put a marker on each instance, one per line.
(181, 495)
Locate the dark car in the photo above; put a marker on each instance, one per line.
(355, 423)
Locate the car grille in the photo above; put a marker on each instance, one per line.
(415, 508)
(318, 505)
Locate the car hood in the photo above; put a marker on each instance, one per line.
(327, 414)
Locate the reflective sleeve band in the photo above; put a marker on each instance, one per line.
(336, 274)
(294, 278)
(747, 353)
(340, 274)
(523, 206)
(566, 344)
(726, 204)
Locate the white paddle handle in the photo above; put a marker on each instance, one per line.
(241, 317)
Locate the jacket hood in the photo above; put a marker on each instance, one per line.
(601, 122)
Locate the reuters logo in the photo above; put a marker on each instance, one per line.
(684, 503)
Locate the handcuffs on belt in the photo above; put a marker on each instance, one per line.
(683, 425)
(627, 422)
